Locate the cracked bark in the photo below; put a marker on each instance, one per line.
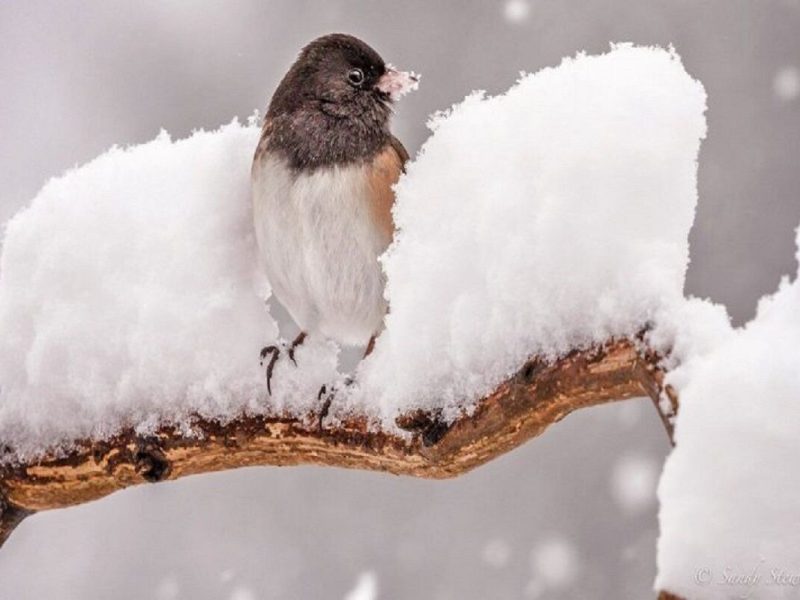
(539, 395)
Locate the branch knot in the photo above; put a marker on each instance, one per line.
(150, 461)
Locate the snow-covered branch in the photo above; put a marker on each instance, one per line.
(551, 222)
(540, 394)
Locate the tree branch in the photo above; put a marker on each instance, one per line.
(539, 395)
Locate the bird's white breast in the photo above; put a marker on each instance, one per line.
(319, 245)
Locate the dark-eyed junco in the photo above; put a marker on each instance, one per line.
(322, 189)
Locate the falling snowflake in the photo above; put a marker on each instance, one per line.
(633, 482)
(555, 563)
(168, 589)
(496, 553)
(366, 587)
(786, 83)
(242, 593)
(516, 11)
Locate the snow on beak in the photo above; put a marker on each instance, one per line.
(397, 84)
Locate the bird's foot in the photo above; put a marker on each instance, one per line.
(325, 398)
(298, 341)
(270, 355)
(273, 352)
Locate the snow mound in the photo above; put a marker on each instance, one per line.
(730, 490)
(551, 217)
(128, 293)
(544, 219)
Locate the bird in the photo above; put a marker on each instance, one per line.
(322, 190)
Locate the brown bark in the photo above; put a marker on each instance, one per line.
(539, 395)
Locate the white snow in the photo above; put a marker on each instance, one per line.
(786, 83)
(555, 563)
(516, 11)
(398, 83)
(544, 219)
(730, 490)
(128, 295)
(633, 482)
(551, 217)
(366, 587)
(168, 589)
(243, 593)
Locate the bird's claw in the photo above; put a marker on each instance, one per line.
(326, 404)
(295, 343)
(326, 398)
(273, 352)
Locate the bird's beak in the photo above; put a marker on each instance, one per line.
(397, 84)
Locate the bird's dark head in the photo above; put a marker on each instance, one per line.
(343, 77)
(333, 105)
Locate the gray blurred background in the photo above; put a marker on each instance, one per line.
(571, 514)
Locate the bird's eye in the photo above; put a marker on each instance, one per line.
(355, 76)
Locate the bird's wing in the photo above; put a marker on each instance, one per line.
(401, 151)
(384, 172)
